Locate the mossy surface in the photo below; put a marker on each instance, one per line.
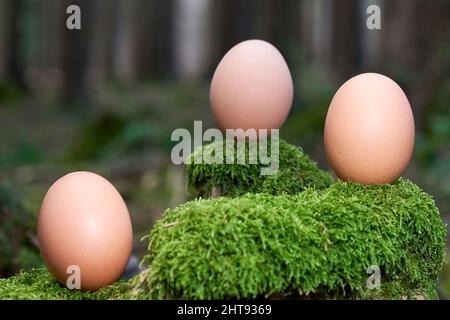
(292, 235)
(296, 172)
(316, 243)
(39, 284)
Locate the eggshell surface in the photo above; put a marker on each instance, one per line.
(369, 130)
(84, 222)
(251, 87)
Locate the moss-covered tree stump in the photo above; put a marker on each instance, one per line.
(296, 172)
(294, 235)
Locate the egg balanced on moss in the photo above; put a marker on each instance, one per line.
(251, 88)
(369, 130)
(84, 231)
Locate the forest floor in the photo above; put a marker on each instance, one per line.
(124, 134)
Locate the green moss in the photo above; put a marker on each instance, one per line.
(296, 172)
(39, 284)
(292, 235)
(316, 243)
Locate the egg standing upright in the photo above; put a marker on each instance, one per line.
(369, 130)
(84, 227)
(251, 87)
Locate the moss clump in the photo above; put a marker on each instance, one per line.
(296, 172)
(39, 284)
(293, 234)
(318, 243)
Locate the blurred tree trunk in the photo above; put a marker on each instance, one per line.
(3, 38)
(277, 22)
(144, 34)
(32, 34)
(15, 65)
(418, 35)
(163, 17)
(51, 25)
(317, 32)
(283, 25)
(400, 43)
(231, 22)
(103, 39)
(191, 38)
(154, 45)
(371, 40)
(346, 43)
(76, 51)
(124, 48)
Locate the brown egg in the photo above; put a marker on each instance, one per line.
(84, 222)
(251, 87)
(369, 130)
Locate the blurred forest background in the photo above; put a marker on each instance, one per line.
(107, 97)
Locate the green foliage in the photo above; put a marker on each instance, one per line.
(95, 135)
(304, 126)
(23, 153)
(112, 134)
(39, 284)
(10, 94)
(432, 150)
(315, 243)
(296, 172)
(16, 249)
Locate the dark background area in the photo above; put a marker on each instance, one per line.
(107, 97)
